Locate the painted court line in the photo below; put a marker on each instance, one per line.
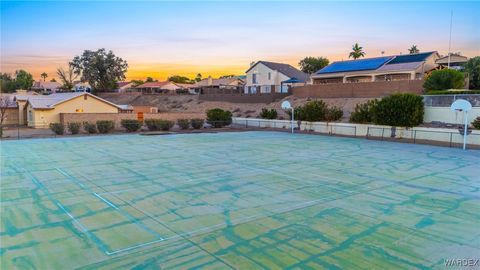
(124, 213)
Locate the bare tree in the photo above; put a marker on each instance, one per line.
(5, 103)
(67, 76)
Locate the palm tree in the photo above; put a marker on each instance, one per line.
(414, 49)
(356, 52)
(44, 75)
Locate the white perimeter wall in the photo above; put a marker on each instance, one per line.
(445, 115)
(362, 130)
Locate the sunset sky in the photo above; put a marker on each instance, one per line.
(160, 38)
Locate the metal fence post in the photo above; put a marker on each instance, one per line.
(383, 132)
(414, 136)
(451, 139)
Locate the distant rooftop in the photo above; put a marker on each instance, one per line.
(285, 69)
(49, 101)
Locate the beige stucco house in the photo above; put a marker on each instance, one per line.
(43, 110)
(270, 77)
(385, 68)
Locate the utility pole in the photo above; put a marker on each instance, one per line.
(450, 39)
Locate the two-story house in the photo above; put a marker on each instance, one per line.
(270, 77)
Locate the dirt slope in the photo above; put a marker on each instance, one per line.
(191, 103)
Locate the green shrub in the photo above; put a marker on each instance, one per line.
(131, 125)
(404, 110)
(165, 124)
(74, 127)
(268, 113)
(105, 126)
(450, 92)
(89, 127)
(312, 111)
(197, 123)
(152, 124)
(333, 114)
(219, 118)
(183, 123)
(363, 112)
(57, 128)
(444, 79)
(159, 124)
(476, 123)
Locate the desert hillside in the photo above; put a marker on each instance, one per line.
(191, 103)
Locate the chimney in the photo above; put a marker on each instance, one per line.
(210, 81)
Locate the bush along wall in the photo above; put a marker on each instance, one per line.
(57, 128)
(268, 113)
(183, 123)
(197, 123)
(363, 112)
(219, 118)
(90, 128)
(316, 111)
(402, 110)
(476, 123)
(159, 124)
(74, 127)
(131, 125)
(105, 126)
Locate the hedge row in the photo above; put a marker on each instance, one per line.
(315, 111)
(101, 126)
(130, 125)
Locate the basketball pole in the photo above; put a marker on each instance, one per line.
(465, 130)
(293, 113)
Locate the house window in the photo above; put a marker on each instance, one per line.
(269, 76)
(254, 78)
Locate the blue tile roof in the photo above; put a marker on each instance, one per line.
(408, 58)
(355, 65)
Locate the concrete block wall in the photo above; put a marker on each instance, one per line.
(358, 90)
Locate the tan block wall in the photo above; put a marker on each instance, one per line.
(358, 90)
(117, 117)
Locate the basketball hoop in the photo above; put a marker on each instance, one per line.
(462, 105)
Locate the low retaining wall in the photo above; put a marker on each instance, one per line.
(358, 90)
(227, 95)
(443, 135)
(117, 117)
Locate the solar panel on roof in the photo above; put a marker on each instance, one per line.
(354, 65)
(407, 58)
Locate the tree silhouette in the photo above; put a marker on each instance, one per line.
(357, 52)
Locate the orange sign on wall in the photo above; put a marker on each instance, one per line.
(140, 116)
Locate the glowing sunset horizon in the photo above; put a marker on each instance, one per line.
(160, 39)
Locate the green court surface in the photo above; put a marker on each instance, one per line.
(246, 200)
